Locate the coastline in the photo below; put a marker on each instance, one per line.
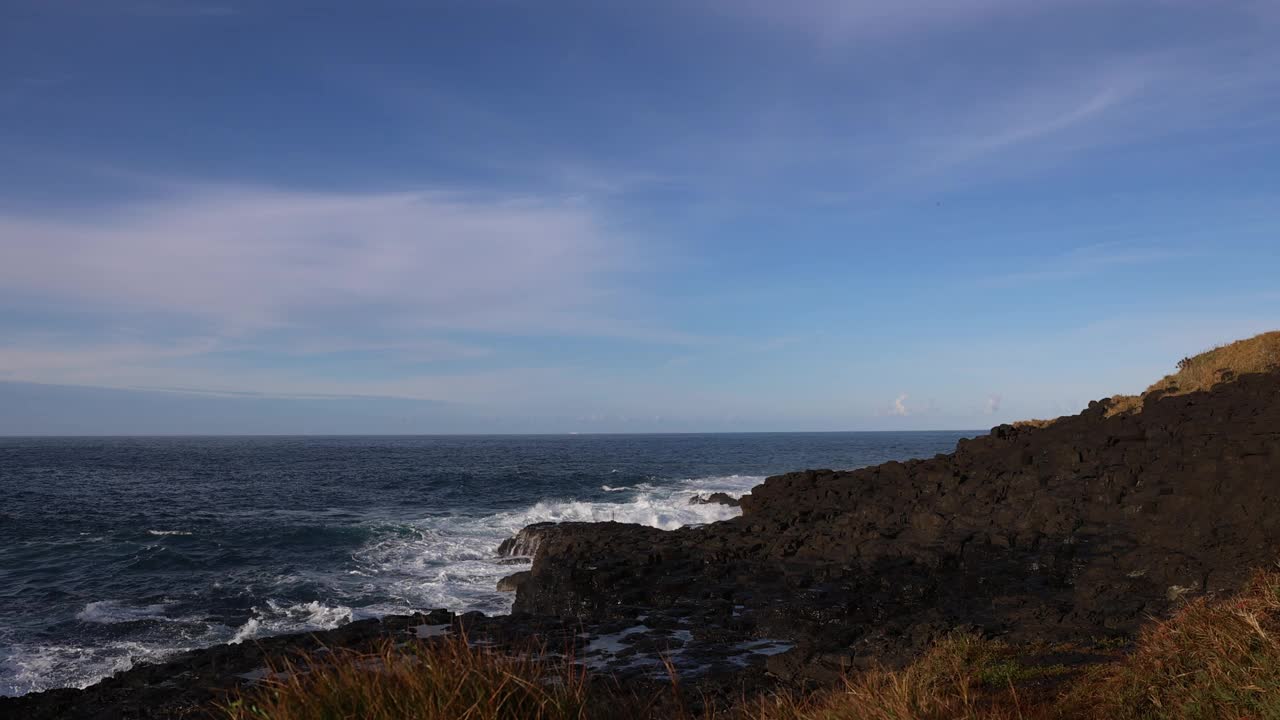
(1076, 531)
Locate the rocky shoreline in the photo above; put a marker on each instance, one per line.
(1072, 532)
(1080, 529)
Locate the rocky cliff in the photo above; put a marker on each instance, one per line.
(1080, 528)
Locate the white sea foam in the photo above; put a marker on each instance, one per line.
(249, 630)
(662, 507)
(449, 561)
(439, 562)
(275, 619)
(30, 668)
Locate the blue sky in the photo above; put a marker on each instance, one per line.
(513, 216)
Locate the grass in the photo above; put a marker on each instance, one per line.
(1260, 353)
(448, 680)
(950, 682)
(1034, 423)
(1213, 659)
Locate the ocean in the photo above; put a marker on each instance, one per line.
(115, 551)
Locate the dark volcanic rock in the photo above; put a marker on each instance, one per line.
(1081, 528)
(715, 498)
(511, 582)
(525, 543)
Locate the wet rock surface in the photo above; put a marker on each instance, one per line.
(1080, 529)
(525, 543)
(718, 498)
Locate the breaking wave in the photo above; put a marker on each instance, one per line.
(449, 561)
(443, 561)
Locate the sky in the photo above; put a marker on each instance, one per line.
(709, 215)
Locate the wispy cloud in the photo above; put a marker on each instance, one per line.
(993, 404)
(49, 362)
(1062, 114)
(837, 22)
(935, 115)
(232, 269)
(245, 259)
(1089, 260)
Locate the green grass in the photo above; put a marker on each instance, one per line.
(1012, 672)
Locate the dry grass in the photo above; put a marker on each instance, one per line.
(950, 682)
(1034, 423)
(1224, 363)
(1260, 353)
(1214, 659)
(448, 680)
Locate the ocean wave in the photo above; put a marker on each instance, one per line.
(435, 562)
(449, 562)
(664, 507)
(32, 668)
(277, 619)
(638, 487)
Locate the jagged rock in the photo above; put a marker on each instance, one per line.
(511, 582)
(718, 498)
(525, 543)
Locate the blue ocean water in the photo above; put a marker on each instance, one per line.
(120, 550)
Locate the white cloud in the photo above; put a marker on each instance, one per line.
(900, 406)
(993, 404)
(837, 22)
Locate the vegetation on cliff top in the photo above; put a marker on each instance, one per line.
(1260, 353)
(1215, 658)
